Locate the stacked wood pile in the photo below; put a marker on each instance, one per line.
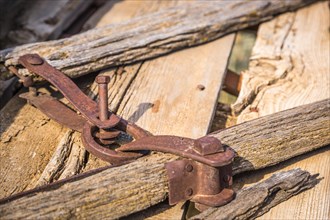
(282, 109)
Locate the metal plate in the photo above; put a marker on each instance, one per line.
(55, 110)
(181, 179)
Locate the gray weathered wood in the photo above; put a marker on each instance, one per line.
(254, 201)
(151, 35)
(119, 191)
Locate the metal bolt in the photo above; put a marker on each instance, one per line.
(34, 59)
(189, 168)
(27, 81)
(102, 82)
(208, 145)
(227, 178)
(189, 192)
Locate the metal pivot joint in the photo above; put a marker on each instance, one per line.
(99, 126)
(204, 176)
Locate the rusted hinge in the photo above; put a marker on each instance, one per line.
(205, 176)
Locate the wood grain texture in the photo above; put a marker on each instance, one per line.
(27, 138)
(165, 97)
(118, 191)
(290, 64)
(289, 68)
(255, 200)
(312, 204)
(150, 35)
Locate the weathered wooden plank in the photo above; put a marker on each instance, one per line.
(312, 204)
(27, 137)
(177, 94)
(253, 201)
(118, 191)
(290, 64)
(151, 35)
(42, 20)
(289, 68)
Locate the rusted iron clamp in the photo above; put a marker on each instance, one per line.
(205, 177)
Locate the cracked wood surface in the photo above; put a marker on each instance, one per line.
(117, 191)
(253, 201)
(290, 66)
(150, 35)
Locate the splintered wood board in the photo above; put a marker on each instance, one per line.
(290, 66)
(162, 95)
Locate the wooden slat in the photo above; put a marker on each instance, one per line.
(290, 66)
(176, 94)
(150, 36)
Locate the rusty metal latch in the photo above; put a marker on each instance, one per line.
(205, 176)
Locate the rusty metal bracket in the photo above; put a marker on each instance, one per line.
(205, 177)
(99, 126)
(84, 104)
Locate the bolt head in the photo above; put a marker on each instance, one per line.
(102, 79)
(189, 168)
(227, 178)
(208, 145)
(189, 192)
(34, 59)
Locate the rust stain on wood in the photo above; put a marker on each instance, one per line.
(155, 106)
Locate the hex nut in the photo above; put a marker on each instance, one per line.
(208, 145)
